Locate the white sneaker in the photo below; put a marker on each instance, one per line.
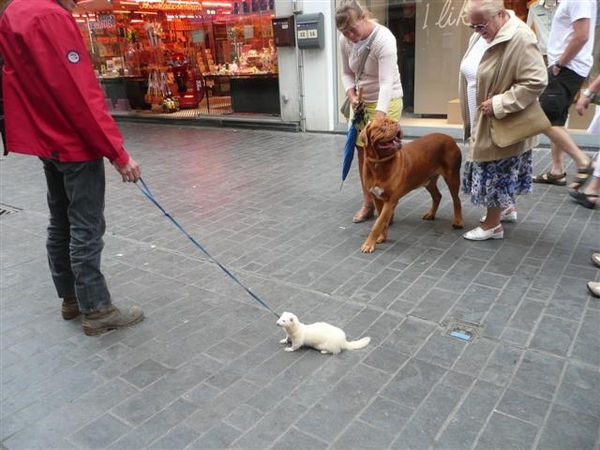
(505, 216)
(594, 287)
(479, 234)
(596, 259)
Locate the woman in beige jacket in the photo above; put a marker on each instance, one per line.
(493, 176)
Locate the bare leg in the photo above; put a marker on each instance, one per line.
(558, 160)
(368, 208)
(563, 142)
(492, 218)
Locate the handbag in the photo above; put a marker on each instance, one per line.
(520, 125)
(345, 109)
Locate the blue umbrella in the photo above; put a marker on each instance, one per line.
(357, 118)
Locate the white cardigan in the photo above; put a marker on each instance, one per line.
(380, 79)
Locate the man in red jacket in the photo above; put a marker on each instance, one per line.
(55, 109)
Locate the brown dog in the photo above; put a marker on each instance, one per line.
(392, 170)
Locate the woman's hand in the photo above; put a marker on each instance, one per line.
(487, 108)
(379, 115)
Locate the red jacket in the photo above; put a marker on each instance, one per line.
(53, 104)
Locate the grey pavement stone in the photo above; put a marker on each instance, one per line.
(296, 440)
(100, 433)
(271, 427)
(554, 335)
(205, 369)
(221, 436)
(538, 375)
(387, 415)
(145, 373)
(527, 315)
(474, 304)
(436, 304)
(425, 424)
(468, 420)
(178, 437)
(441, 350)
(410, 335)
(359, 435)
(523, 407)
(587, 342)
(155, 427)
(566, 428)
(244, 417)
(501, 364)
(412, 383)
(333, 412)
(578, 389)
(507, 433)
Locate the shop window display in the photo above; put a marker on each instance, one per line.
(210, 61)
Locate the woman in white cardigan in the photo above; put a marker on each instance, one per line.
(380, 79)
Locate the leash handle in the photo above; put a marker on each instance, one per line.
(146, 191)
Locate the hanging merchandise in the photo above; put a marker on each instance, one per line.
(153, 96)
(159, 94)
(170, 103)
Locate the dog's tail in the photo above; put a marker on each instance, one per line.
(354, 345)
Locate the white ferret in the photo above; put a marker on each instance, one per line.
(319, 335)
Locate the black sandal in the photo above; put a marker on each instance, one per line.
(582, 177)
(550, 178)
(584, 199)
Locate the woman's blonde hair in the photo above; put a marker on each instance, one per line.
(343, 13)
(488, 8)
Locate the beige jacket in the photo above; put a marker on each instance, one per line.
(522, 78)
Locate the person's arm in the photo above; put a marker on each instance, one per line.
(347, 73)
(63, 63)
(587, 95)
(581, 29)
(530, 78)
(60, 56)
(387, 60)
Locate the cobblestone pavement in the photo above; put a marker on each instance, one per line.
(205, 369)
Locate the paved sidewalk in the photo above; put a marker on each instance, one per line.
(205, 369)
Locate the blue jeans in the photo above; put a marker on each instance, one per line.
(74, 244)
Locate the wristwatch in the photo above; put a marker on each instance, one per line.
(589, 94)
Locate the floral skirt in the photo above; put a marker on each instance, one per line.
(495, 183)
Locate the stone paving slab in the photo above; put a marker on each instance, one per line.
(205, 369)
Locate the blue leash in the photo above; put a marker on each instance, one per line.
(146, 191)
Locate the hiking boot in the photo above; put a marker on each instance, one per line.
(99, 322)
(70, 308)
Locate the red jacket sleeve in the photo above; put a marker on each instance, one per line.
(64, 65)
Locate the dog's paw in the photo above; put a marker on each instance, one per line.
(289, 349)
(428, 216)
(284, 341)
(367, 247)
(382, 238)
(458, 225)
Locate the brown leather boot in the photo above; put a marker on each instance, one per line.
(70, 308)
(99, 322)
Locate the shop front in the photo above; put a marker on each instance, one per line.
(183, 56)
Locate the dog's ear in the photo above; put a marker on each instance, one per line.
(364, 135)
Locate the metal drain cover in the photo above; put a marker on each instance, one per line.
(462, 330)
(6, 209)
